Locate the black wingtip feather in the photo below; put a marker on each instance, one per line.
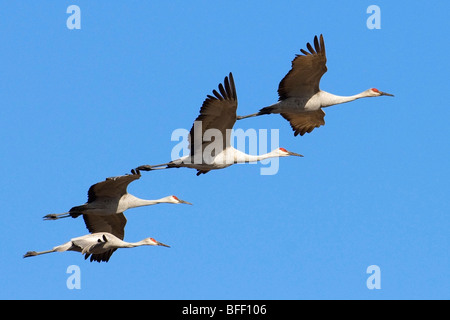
(222, 91)
(228, 93)
(218, 96)
(322, 45)
(233, 87)
(310, 48)
(306, 53)
(319, 47)
(227, 90)
(316, 44)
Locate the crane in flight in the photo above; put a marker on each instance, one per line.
(107, 201)
(217, 116)
(96, 244)
(300, 99)
(110, 197)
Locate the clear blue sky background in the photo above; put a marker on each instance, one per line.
(82, 105)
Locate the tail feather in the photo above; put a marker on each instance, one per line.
(266, 110)
(77, 211)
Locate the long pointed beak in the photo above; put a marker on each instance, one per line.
(295, 154)
(185, 202)
(387, 94)
(162, 244)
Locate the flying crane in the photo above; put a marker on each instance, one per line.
(107, 201)
(300, 99)
(217, 114)
(96, 244)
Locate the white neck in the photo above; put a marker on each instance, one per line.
(135, 202)
(328, 99)
(241, 157)
(114, 243)
(134, 244)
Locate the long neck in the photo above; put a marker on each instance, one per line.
(135, 202)
(241, 157)
(115, 243)
(328, 99)
(134, 244)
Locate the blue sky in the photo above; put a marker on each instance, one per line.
(82, 105)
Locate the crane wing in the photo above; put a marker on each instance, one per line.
(83, 242)
(113, 187)
(114, 224)
(307, 70)
(305, 122)
(217, 112)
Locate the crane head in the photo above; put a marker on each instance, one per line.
(153, 242)
(374, 92)
(177, 200)
(282, 152)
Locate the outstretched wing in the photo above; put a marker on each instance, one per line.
(305, 122)
(307, 70)
(114, 224)
(113, 187)
(217, 112)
